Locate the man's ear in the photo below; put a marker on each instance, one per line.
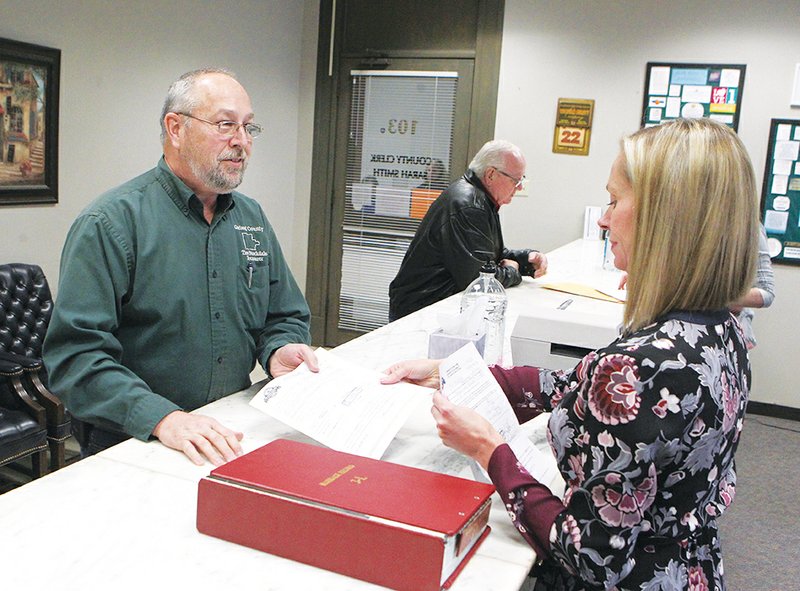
(173, 125)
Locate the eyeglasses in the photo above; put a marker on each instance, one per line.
(518, 182)
(229, 129)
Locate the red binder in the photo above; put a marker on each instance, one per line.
(401, 527)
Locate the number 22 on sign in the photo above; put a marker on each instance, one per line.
(571, 137)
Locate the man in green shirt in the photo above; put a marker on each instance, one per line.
(173, 285)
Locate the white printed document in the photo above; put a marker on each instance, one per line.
(344, 406)
(467, 381)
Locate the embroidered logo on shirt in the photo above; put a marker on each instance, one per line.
(250, 243)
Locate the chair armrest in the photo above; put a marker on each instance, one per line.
(33, 369)
(10, 369)
(27, 363)
(19, 396)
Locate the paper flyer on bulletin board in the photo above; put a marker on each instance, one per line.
(780, 195)
(712, 91)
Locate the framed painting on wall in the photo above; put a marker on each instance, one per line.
(29, 77)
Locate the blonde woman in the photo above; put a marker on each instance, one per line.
(645, 429)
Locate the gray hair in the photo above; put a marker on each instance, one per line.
(180, 96)
(493, 154)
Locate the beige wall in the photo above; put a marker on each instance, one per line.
(117, 61)
(598, 50)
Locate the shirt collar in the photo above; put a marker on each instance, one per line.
(183, 197)
(475, 181)
(699, 316)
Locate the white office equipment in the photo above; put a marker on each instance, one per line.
(559, 337)
(591, 231)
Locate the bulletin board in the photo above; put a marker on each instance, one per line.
(780, 196)
(713, 91)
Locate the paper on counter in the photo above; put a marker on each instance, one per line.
(583, 290)
(467, 381)
(343, 406)
(619, 295)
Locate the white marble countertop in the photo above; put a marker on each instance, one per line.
(125, 518)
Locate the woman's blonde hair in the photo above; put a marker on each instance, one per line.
(696, 233)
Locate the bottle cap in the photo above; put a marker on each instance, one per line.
(489, 267)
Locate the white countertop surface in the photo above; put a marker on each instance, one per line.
(125, 518)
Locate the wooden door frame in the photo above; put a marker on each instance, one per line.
(482, 123)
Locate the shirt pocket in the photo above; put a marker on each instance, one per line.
(253, 279)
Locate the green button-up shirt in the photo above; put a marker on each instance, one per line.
(157, 310)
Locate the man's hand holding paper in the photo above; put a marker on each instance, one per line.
(290, 356)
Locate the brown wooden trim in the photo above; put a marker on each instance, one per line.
(481, 129)
(321, 199)
(487, 73)
(420, 53)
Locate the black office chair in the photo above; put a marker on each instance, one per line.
(26, 305)
(23, 422)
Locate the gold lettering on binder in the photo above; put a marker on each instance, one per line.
(358, 479)
(336, 475)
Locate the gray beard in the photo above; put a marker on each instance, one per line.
(216, 179)
(222, 183)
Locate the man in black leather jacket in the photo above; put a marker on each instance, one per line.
(461, 231)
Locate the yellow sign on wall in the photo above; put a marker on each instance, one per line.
(573, 126)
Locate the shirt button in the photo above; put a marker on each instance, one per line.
(219, 359)
(216, 315)
(214, 274)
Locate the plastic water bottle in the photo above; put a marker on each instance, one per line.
(608, 255)
(489, 294)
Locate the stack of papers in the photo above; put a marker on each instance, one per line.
(466, 381)
(343, 406)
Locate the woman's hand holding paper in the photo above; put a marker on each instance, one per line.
(422, 372)
(465, 430)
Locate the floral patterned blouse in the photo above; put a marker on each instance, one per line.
(644, 432)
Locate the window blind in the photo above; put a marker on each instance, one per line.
(398, 154)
